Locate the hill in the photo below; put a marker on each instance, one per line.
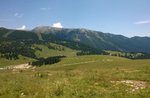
(44, 42)
(28, 46)
(84, 37)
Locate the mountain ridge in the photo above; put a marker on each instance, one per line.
(100, 40)
(75, 29)
(91, 38)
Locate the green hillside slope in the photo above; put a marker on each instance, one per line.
(84, 76)
(15, 43)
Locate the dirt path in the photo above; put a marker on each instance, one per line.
(79, 63)
(20, 66)
(26, 66)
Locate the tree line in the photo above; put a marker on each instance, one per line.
(12, 49)
(45, 61)
(131, 55)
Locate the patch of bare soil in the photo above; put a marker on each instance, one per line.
(20, 66)
(134, 85)
(107, 60)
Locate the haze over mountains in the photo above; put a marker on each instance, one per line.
(94, 39)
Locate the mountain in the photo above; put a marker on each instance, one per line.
(79, 38)
(14, 43)
(98, 40)
(43, 42)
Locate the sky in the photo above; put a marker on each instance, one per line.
(124, 17)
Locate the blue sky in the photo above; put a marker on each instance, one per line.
(125, 17)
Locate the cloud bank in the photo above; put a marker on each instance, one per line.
(57, 25)
(142, 22)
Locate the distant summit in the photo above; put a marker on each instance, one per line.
(46, 29)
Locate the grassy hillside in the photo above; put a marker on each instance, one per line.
(35, 45)
(129, 55)
(42, 50)
(22, 60)
(80, 77)
(58, 50)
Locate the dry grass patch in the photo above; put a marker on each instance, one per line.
(133, 85)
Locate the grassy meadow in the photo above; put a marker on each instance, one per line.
(80, 77)
(5, 62)
(46, 52)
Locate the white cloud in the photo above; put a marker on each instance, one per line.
(44, 8)
(18, 15)
(57, 25)
(142, 22)
(22, 28)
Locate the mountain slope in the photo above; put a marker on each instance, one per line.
(44, 42)
(99, 40)
(14, 43)
(80, 38)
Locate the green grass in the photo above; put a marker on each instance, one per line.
(44, 53)
(7, 34)
(5, 62)
(51, 52)
(78, 77)
(39, 36)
